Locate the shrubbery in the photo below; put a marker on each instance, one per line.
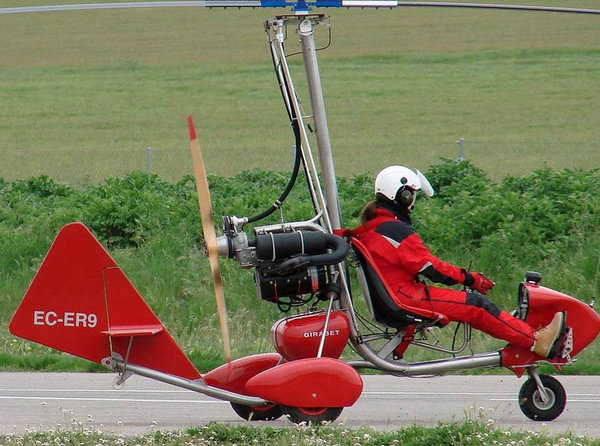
(546, 221)
(519, 222)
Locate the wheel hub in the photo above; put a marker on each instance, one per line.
(539, 402)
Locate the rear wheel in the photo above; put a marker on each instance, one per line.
(532, 402)
(258, 413)
(312, 415)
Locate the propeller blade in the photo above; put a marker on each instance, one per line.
(210, 236)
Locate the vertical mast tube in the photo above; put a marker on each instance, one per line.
(306, 30)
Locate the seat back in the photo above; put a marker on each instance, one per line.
(383, 307)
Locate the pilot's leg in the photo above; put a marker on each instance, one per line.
(481, 313)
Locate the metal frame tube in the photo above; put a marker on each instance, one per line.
(325, 327)
(197, 386)
(306, 31)
(276, 35)
(436, 367)
(295, 110)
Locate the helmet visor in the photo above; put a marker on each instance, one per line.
(426, 187)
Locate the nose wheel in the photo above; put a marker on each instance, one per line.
(542, 397)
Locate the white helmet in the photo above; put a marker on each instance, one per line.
(394, 180)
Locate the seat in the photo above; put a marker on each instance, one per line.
(378, 296)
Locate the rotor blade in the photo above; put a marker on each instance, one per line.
(86, 6)
(500, 6)
(210, 237)
(132, 5)
(298, 6)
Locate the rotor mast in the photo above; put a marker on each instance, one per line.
(306, 31)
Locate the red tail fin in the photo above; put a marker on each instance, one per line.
(80, 302)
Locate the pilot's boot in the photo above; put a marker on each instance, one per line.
(548, 338)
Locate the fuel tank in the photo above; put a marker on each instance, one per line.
(299, 336)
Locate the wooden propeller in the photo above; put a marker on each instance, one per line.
(210, 236)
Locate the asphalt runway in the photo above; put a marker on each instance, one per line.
(43, 401)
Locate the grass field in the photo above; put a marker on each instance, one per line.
(83, 94)
(479, 431)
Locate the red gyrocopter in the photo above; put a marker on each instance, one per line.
(80, 301)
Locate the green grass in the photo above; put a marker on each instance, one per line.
(151, 227)
(85, 93)
(475, 431)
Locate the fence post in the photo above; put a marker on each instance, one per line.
(461, 150)
(149, 159)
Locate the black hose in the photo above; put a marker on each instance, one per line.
(298, 157)
(290, 183)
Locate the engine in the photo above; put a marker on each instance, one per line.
(291, 260)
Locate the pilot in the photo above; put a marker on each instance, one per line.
(401, 256)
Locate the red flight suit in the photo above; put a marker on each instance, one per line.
(401, 256)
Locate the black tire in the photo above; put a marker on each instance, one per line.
(312, 415)
(258, 413)
(532, 405)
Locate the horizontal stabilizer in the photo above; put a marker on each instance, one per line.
(80, 302)
(134, 330)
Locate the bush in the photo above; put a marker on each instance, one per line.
(128, 211)
(546, 221)
(519, 219)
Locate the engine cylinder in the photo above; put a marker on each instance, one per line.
(271, 287)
